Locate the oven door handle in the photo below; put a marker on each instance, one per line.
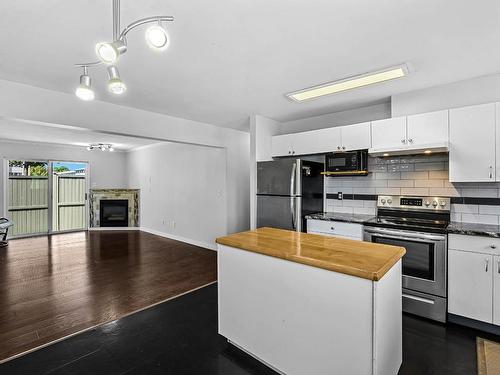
(405, 235)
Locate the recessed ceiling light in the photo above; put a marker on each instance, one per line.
(386, 154)
(427, 151)
(350, 83)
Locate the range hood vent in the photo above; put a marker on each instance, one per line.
(430, 148)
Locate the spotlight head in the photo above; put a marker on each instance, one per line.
(157, 37)
(115, 84)
(108, 52)
(84, 91)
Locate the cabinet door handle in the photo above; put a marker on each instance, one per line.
(338, 147)
(410, 140)
(491, 171)
(343, 147)
(486, 265)
(498, 266)
(493, 246)
(332, 228)
(403, 141)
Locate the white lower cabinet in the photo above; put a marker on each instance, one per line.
(474, 277)
(470, 286)
(496, 290)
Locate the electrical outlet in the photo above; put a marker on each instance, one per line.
(340, 196)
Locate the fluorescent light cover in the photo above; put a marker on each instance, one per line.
(350, 83)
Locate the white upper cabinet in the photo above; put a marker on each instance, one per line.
(498, 140)
(282, 145)
(390, 132)
(356, 137)
(472, 143)
(312, 142)
(427, 128)
(318, 141)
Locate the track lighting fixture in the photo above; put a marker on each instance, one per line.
(109, 52)
(156, 37)
(101, 146)
(84, 91)
(115, 84)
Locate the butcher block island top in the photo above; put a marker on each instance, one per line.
(356, 258)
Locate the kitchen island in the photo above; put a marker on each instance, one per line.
(309, 304)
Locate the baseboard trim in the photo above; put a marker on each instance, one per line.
(114, 228)
(180, 238)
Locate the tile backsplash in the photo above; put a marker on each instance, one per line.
(425, 175)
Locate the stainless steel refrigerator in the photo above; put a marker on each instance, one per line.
(287, 190)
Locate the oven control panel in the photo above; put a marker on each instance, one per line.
(416, 203)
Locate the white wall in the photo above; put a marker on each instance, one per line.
(261, 131)
(353, 116)
(107, 170)
(479, 90)
(26, 102)
(182, 191)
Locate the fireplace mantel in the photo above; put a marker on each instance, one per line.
(132, 195)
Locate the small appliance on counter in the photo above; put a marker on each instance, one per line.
(419, 225)
(287, 190)
(348, 163)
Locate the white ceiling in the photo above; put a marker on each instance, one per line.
(17, 130)
(232, 58)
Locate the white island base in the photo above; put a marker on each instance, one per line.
(299, 319)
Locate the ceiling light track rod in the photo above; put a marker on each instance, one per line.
(116, 19)
(109, 52)
(143, 21)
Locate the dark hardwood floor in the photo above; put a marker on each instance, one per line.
(54, 286)
(180, 337)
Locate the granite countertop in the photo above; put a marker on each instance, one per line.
(474, 229)
(366, 260)
(347, 218)
(470, 229)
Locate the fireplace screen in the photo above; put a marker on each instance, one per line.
(113, 213)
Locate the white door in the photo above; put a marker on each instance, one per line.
(317, 141)
(390, 132)
(472, 143)
(281, 145)
(356, 137)
(498, 140)
(496, 290)
(470, 285)
(426, 128)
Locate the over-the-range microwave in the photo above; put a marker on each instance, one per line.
(348, 163)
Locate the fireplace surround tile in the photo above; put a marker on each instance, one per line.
(132, 195)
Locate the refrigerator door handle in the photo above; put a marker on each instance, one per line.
(292, 179)
(292, 207)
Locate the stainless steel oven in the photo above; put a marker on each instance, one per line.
(424, 266)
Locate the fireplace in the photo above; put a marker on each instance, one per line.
(113, 212)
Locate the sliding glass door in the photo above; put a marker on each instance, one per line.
(69, 187)
(46, 196)
(28, 197)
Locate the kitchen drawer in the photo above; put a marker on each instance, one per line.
(338, 228)
(335, 235)
(476, 244)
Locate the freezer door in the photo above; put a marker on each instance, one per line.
(279, 212)
(278, 177)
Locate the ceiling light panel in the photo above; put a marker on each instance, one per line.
(349, 83)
